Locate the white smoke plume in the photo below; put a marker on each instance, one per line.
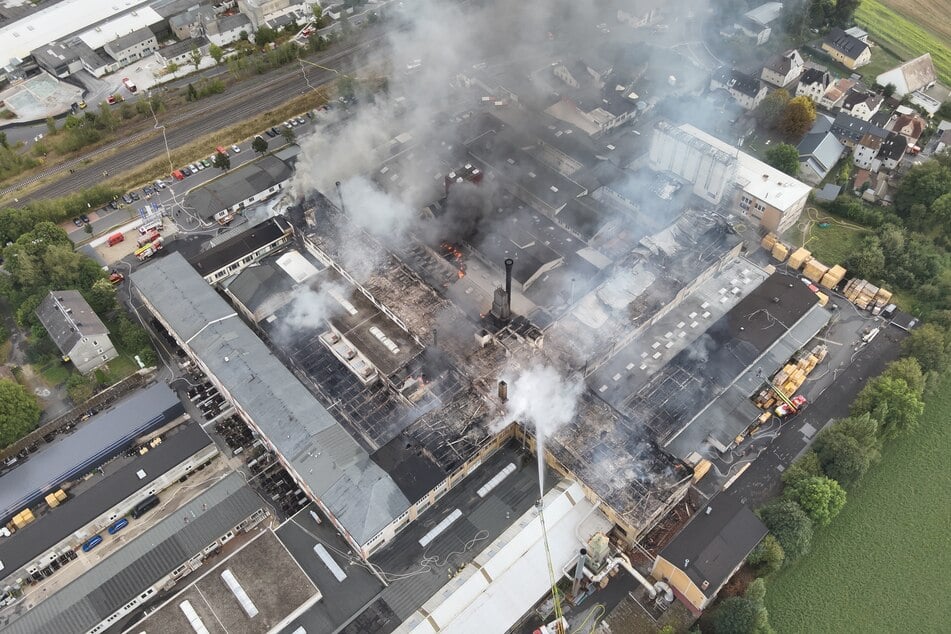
(311, 308)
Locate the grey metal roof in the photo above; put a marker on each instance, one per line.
(137, 36)
(185, 46)
(234, 21)
(68, 318)
(237, 185)
(733, 411)
(824, 149)
(93, 442)
(59, 523)
(109, 585)
(362, 497)
(243, 244)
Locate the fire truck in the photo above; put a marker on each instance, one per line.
(148, 250)
(152, 236)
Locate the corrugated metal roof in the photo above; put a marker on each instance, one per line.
(362, 496)
(95, 441)
(55, 526)
(108, 586)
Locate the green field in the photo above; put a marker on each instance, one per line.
(903, 37)
(882, 564)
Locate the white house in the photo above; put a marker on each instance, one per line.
(861, 105)
(756, 23)
(911, 76)
(132, 46)
(783, 69)
(813, 84)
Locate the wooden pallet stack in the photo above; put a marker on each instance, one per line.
(791, 377)
(799, 257)
(833, 277)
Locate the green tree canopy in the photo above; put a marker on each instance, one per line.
(924, 183)
(222, 161)
(931, 346)
(784, 157)
(820, 497)
(841, 457)
(264, 35)
(216, 53)
(767, 557)
(868, 260)
(19, 412)
(736, 615)
(196, 56)
(889, 400)
(102, 296)
(792, 528)
(259, 144)
(909, 370)
(288, 135)
(771, 108)
(806, 466)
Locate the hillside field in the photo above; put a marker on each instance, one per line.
(908, 29)
(882, 564)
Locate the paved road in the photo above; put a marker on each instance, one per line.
(246, 100)
(761, 481)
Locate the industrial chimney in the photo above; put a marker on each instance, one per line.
(579, 572)
(340, 194)
(509, 263)
(503, 391)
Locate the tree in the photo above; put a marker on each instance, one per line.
(771, 107)
(171, 68)
(841, 457)
(868, 260)
(80, 388)
(216, 53)
(941, 211)
(19, 412)
(845, 11)
(288, 135)
(3, 141)
(767, 557)
(908, 370)
(798, 116)
(784, 157)
(190, 93)
(930, 346)
(196, 57)
(888, 89)
(924, 183)
(264, 36)
(222, 161)
(51, 125)
(891, 402)
(792, 528)
(806, 466)
(259, 144)
(736, 615)
(820, 497)
(102, 296)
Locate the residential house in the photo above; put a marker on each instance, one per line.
(597, 116)
(756, 23)
(813, 84)
(846, 49)
(709, 550)
(574, 73)
(263, 11)
(911, 126)
(228, 29)
(861, 104)
(745, 89)
(818, 154)
(944, 142)
(76, 330)
(783, 69)
(911, 76)
(850, 130)
(835, 94)
(180, 53)
(638, 13)
(189, 23)
(133, 46)
(873, 153)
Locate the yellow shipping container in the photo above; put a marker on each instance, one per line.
(60, 495)
(52, 501)
(799, 257)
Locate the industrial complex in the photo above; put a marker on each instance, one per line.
(504, 360)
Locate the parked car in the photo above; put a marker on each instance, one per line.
(113, 204)
(271, 132)
(91, 543)
(118, 525)
(77, 222)
(300, 120)
(235, 148)
(82, 105)
(194, 167)
(160, 185)
(206, 163)
(147, 190)
(84, 218)
(127, 199)
(186, 171)
(135, 196)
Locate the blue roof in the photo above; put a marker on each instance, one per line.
(93, 443)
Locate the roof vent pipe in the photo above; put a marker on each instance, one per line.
(509, 263)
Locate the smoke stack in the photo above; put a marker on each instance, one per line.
(509, 263)
(503, 391)
(435, 339)
(340, 194)
(579, 572)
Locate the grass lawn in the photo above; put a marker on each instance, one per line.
(882, 564)
(55, 372)
(903, 37)
(830, 245)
